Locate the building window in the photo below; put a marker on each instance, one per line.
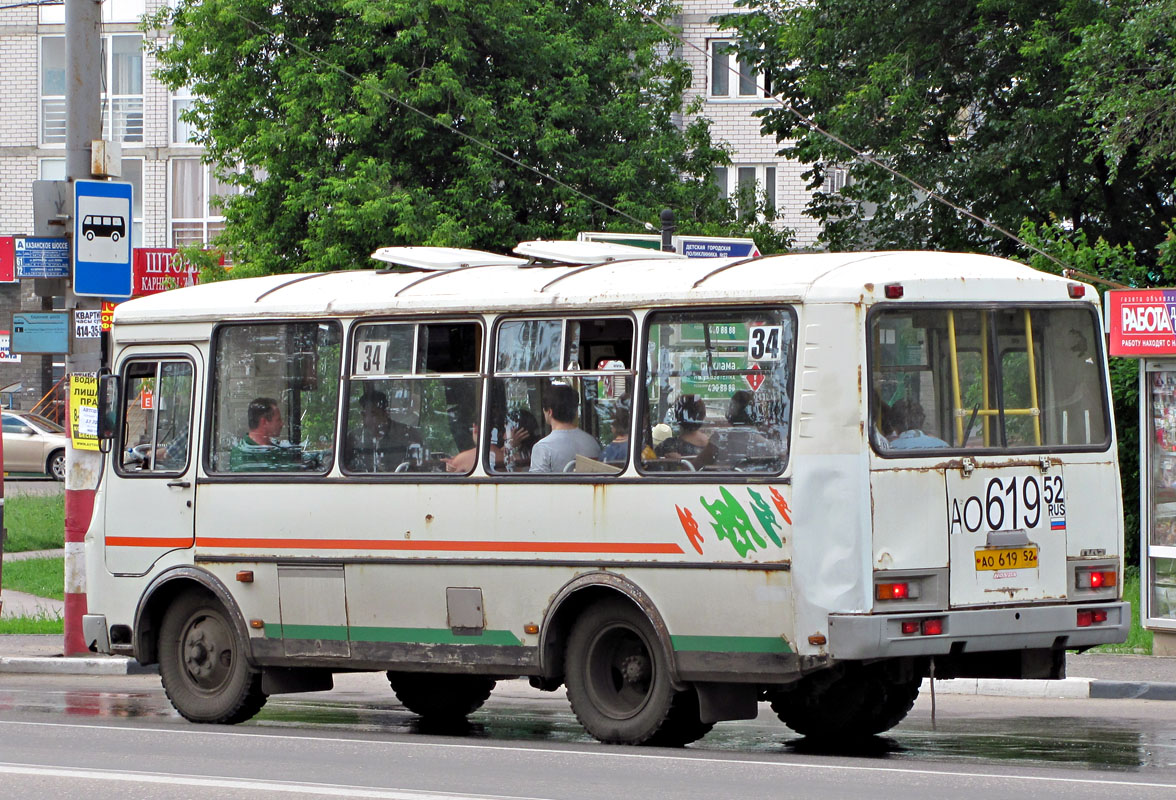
(835, 180)
(53, 90)
(749, 185)
(122, 89)
(182, 133)
(53, 169)
(730, 77)
(195, 217)
(112, 11)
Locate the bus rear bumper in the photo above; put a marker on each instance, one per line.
(865, 636)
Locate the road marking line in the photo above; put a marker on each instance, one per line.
(288, 787)
(734, 760)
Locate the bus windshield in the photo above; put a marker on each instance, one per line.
(986, 379)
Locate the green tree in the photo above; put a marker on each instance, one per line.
(308, 106)
(986, 102)
(1124, 73)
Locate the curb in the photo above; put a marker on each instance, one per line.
(1132, 690)
(1067, 688)
(62, 665)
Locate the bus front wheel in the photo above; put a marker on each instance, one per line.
(202, 663)
(619, 682)
(441, 698)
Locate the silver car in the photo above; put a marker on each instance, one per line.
(33, 443)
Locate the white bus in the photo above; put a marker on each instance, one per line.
(676, 487)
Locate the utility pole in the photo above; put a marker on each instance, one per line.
(83, 124)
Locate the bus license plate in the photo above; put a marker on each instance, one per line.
(1006, 558)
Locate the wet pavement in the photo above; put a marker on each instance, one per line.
(1086, 735)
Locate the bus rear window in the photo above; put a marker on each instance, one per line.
(986, 379)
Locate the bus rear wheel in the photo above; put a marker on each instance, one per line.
(202, 663)
(852, 704)
(619, 682)
(441, 698)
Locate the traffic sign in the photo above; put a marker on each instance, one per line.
(103, 227)
(715, 247)
(41, 257)
(45, 332)
(689, 246)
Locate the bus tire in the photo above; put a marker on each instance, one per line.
(619, 682)
(849, 705)
(683, 725)
(441, 698)
(202, 663)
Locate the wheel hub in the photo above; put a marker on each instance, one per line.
(635, 669)
(196, 655)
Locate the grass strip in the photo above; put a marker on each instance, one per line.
(41, 625)
(34, 523)
(43, 577)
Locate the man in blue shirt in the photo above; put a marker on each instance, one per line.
(908, 419)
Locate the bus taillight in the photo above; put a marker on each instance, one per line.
(1091, 616)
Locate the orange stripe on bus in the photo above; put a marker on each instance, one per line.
(450, 546)
(146, 541)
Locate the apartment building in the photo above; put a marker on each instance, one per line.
(731, 93)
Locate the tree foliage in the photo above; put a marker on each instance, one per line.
(355, 124)
(1011, 108)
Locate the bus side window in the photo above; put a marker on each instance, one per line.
(157, 417)
(414, 393)
(718, 392)
(559, 391)
(275, 395)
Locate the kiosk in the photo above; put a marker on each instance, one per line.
(1141, 324)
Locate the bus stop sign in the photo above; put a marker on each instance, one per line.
(103, 227)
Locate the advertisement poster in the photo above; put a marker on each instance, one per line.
(1139, 322)
(83, 410)
(6, 354)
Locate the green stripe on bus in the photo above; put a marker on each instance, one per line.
(340, 633)
(731, 644)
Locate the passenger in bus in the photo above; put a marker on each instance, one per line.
(259, 449)
(522, 433)
(740, 408)
(691, 441)
(908, 419)
(555, 451)
(617, 451)
(380, 444)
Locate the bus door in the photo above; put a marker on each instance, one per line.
(150, 492)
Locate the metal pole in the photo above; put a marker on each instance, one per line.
(83, 124)
(667, 230)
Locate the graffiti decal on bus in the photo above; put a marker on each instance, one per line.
(733, 524)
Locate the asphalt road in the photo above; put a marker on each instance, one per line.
(69, 737)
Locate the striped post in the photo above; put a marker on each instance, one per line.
(79, 507)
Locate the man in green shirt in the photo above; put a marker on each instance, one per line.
(258, 450)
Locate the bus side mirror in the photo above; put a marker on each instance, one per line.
(108, 394)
